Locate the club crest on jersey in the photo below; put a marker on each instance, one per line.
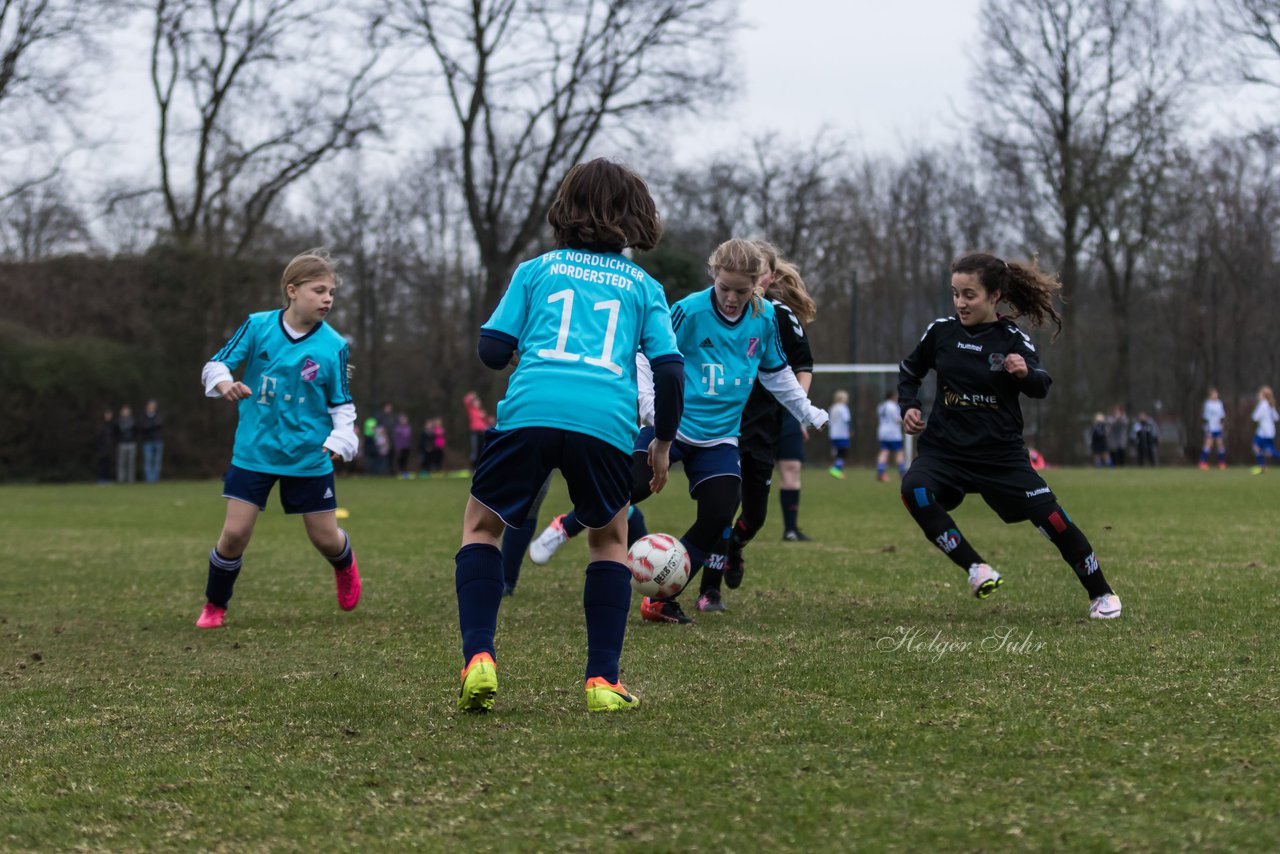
(310, 370)
(996, 361)
(753, 344)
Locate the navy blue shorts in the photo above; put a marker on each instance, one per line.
(840, 444)
(791, 442)
(699, 463)
(298, 495)
(1266, 447)
(891, 445)
(514, 464)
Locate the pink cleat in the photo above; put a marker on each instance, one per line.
(348, 581)
(211, 617)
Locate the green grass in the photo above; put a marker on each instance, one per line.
(786, 723)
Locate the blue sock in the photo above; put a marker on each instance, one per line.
(902, 469)
(515, 542)
(223, 572)
(1259, 459)
(342, 560)
(478, 578)
(840, 463)
(1222, 457)
(880, 467)
(572, 526)
(636, 527)
(1204, 455)
(606, 599)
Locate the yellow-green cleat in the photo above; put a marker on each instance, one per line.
(606, 696)
(479, 684)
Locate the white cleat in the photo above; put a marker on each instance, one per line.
(548, 542)
(983, 580)
(1105, 607)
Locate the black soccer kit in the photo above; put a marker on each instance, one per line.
(761, 426)
(972, 440)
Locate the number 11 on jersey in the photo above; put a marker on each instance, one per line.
(604, 360)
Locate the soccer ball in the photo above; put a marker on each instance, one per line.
(659, 565)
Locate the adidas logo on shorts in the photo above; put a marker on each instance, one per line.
(328, 493)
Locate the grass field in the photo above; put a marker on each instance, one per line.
(853, 698)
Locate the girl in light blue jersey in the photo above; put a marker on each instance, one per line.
(577, 316)
(296, 419)
(729, 337)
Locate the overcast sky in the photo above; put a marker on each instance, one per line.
(878, 73)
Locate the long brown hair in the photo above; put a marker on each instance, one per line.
(1028, 290)
(788, 288)
(602, 206)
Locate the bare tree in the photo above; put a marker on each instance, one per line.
(1061, 87)
(531, 85)
(45, 46)
(1252, 31)
(39, 222)
(246, 108)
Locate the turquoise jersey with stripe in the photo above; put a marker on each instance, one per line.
(721, 360)
(578, 319)
(284, 423)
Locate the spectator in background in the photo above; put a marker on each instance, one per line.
(382, 447)
(431, 445)
(402, 441)
(104, 446)
(1098, 441)
(368, 448)
(1146, 436)
(1118, 436)
(150, 432)
(478, 422)
(126, 446)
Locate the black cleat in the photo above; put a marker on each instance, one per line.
(736, 567)
(795, 535)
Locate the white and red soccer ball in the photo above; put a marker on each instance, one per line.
(659, 565)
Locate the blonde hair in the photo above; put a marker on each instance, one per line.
(309, 266)
(1266, 394)
(770, 253)
(743, 257)
(788, 288)
(841, 396)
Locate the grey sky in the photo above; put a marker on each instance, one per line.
(877, 73)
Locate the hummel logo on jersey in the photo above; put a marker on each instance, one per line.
(328, 493)
(706, 342)
(977, 348)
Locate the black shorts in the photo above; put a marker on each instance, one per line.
(514, 464)
(1011, 487)
(791, 442)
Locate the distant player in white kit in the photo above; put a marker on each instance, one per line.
(1214, 415)
(889, 434)
(839, 433)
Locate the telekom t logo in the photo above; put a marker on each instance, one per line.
(714, 376)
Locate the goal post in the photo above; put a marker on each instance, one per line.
(866, 383)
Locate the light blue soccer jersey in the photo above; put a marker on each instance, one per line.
(577, 319)
(721, 360)
(284, 423)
